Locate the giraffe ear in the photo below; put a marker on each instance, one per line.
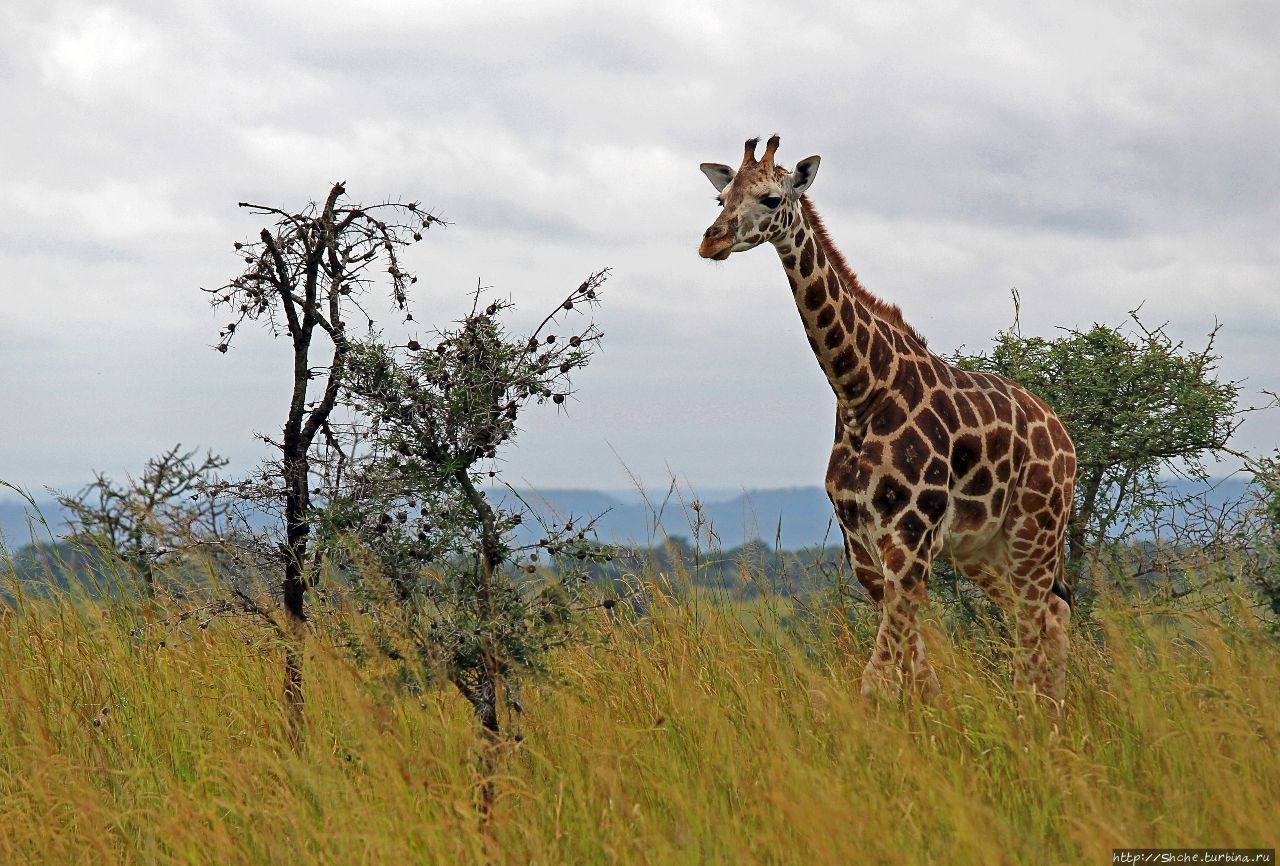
(805, 171)
(718, 174)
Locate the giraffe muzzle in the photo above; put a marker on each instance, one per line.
(717, 242)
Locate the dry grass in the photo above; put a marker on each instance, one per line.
(694, 734)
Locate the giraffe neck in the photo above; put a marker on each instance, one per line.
(859, 340)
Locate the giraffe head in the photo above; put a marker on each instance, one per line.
(761, 201)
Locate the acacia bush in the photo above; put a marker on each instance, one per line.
(428, 540)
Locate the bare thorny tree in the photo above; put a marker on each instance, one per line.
(304, 277)
(374, 432)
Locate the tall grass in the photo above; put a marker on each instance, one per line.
(707, 733)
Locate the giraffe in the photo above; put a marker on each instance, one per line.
(929, 460)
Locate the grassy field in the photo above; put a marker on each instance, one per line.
(697, 733)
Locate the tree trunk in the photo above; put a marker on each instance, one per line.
(1077, 528)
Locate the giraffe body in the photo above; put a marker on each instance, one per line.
(929, 460)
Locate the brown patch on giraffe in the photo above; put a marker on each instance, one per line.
(880, 355)
(982, 405)
(861, 337)
(894, 558)
(834, 337)
(826, 317)
(908, 384)
(806, 259)
(997, 501)
(970, 513)
(833, 285)
(928, 423)
(945, 409)
(1040, 478)
(841, 469)
(843, 362)
(858, 383)
(873, 452)
(965, 410)
(813, 296)
(847, 316)
(932, 503)
(928, 375)
(938, 472)
(911, 529)
(888, 418)
(1004, 469)
(1061, 441)
(998, 441)
(1001, 403)
(909, 453)
(847, 511)
(1040, 442)
(890, 497)
(788, 261)
(966, 451)
(1055, 502)
(980, 484)
(822, 257)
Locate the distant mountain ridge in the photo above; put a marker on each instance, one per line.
(792, 517)
(797, 517)
(17, 525)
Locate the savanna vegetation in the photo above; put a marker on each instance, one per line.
(347, 655)
(679, 728)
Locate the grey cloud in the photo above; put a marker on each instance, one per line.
(1093, 157)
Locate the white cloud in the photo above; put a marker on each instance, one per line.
(90, 48)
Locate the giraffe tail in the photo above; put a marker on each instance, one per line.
(1060, 588)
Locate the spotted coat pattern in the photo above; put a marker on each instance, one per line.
(929, 460)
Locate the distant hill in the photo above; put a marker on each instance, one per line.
(801, 513)
(795, 517)
(15, 521)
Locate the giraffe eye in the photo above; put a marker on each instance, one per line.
(771, 201)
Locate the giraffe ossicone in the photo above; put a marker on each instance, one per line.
(929, 460)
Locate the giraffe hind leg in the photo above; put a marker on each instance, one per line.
(1043, 615)
(1039, 615)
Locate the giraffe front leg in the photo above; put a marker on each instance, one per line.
(866, 567)
(899, 654)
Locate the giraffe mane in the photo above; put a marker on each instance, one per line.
(879, 307)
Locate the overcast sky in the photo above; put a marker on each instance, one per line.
(1097, 157)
